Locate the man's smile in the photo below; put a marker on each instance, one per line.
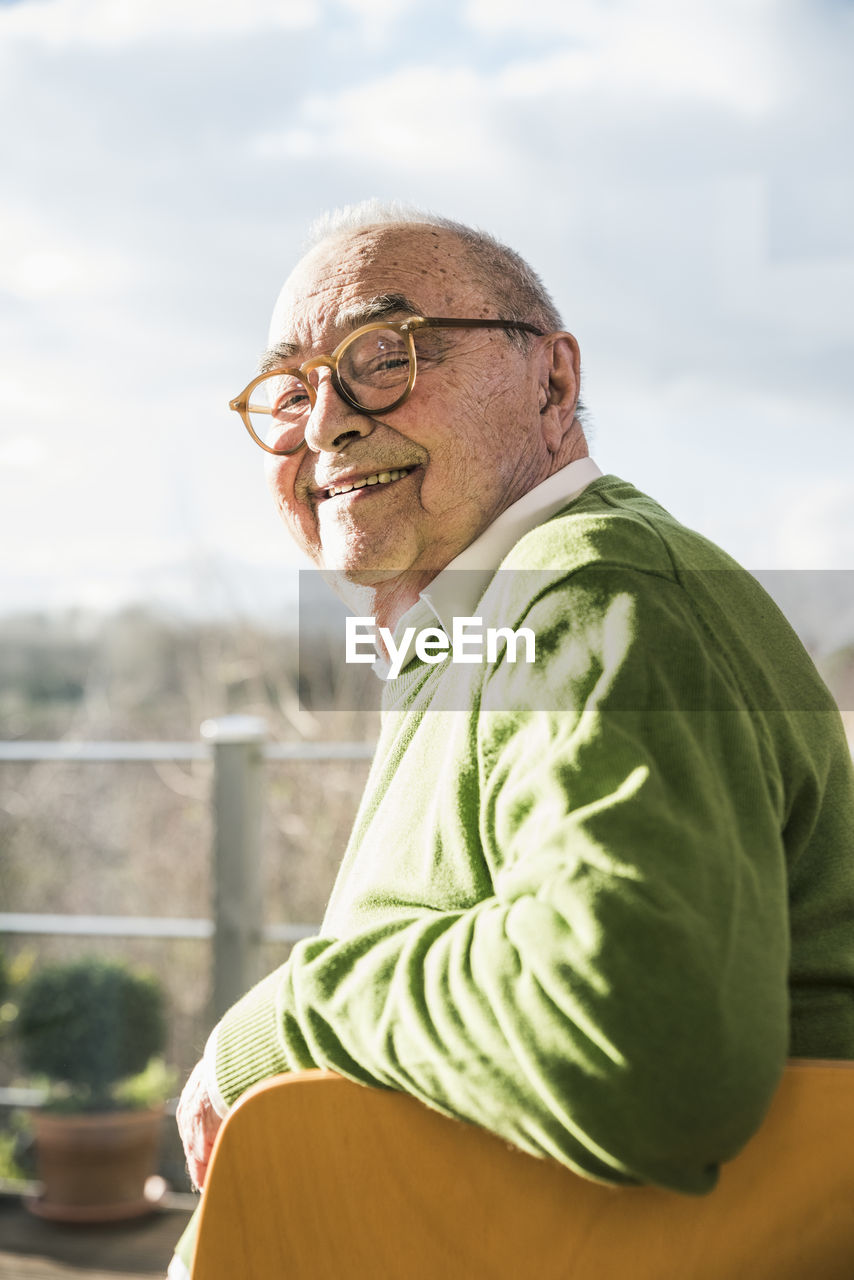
(348, 484)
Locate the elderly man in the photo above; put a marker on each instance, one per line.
(591, 901)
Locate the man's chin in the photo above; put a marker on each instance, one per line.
(349, 579)
(361, 566)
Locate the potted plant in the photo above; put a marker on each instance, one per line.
(90, 1027)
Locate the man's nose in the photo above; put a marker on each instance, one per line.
(332, 420)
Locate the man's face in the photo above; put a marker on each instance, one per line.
(468, 437)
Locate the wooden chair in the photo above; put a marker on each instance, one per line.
(316, 1177)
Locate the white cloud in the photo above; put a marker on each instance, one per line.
(815, 530)
(39, 259)
(718, 51)
(120, 22)
(596, 19)
(369, 9)
(380, 23)
(420, 120)
(22, 453)
(624, 97)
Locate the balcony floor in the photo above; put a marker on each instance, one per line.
(31, 1249)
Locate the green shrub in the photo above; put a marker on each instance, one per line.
(89, 1024)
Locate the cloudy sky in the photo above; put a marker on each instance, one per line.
(679, 172)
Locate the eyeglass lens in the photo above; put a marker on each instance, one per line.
(373, 371)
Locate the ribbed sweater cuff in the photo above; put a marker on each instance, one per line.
(248, 1041)
(217, 1101)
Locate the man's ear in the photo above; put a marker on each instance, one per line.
(560, 378)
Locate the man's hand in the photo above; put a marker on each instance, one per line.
(198, 1124)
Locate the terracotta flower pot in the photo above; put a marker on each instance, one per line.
(94, 1167)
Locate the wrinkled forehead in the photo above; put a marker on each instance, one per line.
(348, 280)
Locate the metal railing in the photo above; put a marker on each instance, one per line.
(239, 748)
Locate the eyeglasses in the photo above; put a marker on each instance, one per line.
(373, 370)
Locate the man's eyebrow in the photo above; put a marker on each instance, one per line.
(378, 308)
(275, 357)
(349, 317)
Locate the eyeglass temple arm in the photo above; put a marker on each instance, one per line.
(435, 322)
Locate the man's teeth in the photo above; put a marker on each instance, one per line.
(381, 477)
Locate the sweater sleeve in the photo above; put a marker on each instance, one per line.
(618, 1001)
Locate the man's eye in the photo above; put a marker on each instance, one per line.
(379, 357)
(291, 402)
(388, 363)
(382, 369)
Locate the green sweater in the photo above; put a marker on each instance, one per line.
(590, 904)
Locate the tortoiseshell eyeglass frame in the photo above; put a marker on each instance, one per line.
(408, 328)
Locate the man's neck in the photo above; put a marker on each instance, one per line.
(386, 600)
(393, 598)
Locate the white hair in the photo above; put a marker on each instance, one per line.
(500, 271)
